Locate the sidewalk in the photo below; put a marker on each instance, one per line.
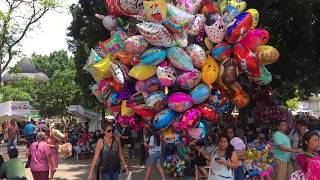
(73, 169)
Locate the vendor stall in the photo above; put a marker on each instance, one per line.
(19, 110)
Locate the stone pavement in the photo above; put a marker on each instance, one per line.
(73, 169)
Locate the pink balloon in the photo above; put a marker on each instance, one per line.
(190, 118)
(180, 102)
(255, 38)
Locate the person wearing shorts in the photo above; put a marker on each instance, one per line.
(154, 158)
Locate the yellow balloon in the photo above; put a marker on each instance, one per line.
(267, 54)
(142, 72)
(255, 17)
(210, 71)
(125, 110)
(103, 68)
(238, 4)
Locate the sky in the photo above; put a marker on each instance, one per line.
(51, 34)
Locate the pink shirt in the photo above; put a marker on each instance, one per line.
(40, 152)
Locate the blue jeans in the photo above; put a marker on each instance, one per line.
(239, 173)
(111, 175)
(11, 143)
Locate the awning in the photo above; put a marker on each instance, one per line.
(83, 113)
(20, 110)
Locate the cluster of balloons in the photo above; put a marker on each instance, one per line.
(182, 62)
(259, 159)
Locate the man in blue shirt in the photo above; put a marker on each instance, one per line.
(282, 152)
(29, 132)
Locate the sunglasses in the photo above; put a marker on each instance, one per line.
(109, 130)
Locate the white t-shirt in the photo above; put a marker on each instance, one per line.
(156, 148)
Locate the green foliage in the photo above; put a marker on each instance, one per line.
(22, 90)
(293, 103)
(15, 69)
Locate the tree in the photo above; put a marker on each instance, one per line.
(85, 32)
(22, 90)
(17, 17)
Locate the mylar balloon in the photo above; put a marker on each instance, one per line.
(164, 118)
(180, 102)
(166, 74)
(103, 68)
(115, 43)
(208, 113)
(177, 19)
(155, 10)
(228, 14)
(239, 97)
(101, 95)
(136, 99)
(264, 78)
(222, 51)
(209, 7)
(119, 73)
(189, 79)
(197, 55)
(255, 38)
(247, 60)
(210, 71)
(267, 54)
(217, 98)
(152, 84)
(179, 58)
(125, 7)
(245, 84)
(190, 119)
(140, 87)
(237, 29)
(153, 56)
(190, 6)
(195, 133)
(92, 59)
(214, 27)
(181, 39)
(136, 44)
(125, 109)
(156, 100)
(228, 71)
(142, 72)
(200, 93)
(255, 17)
(144, 111)
(156, 34)
(112, 102)
(197, 24)
(239, 4)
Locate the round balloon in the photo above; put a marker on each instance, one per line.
(197, 55)
(228, 71)
(247, 59)
(237, 29)
(208, 113)
(179, 58)
(156, 34)
(222, 51)
(200, 93)
(197, 25)
(189, 79)
(180, 102)
(156, 100)
(255, 38)
(136, 44)
(267, 54)
(166, 74)
(164, 118)
(228, 14)
(255, 17)
(153, 56)
(210, 71)
(142, 72)
(214, 27)
(152, 85)
(190, 119)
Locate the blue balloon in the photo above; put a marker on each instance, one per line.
(200, 93)
(164, 118)
(179, 58)
(153, 56)
(156, 99)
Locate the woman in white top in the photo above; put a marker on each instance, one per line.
(154, 158)
(223, 160)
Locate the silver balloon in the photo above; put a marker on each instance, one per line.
(197, 55)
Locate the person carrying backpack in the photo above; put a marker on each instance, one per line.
(109, 152)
